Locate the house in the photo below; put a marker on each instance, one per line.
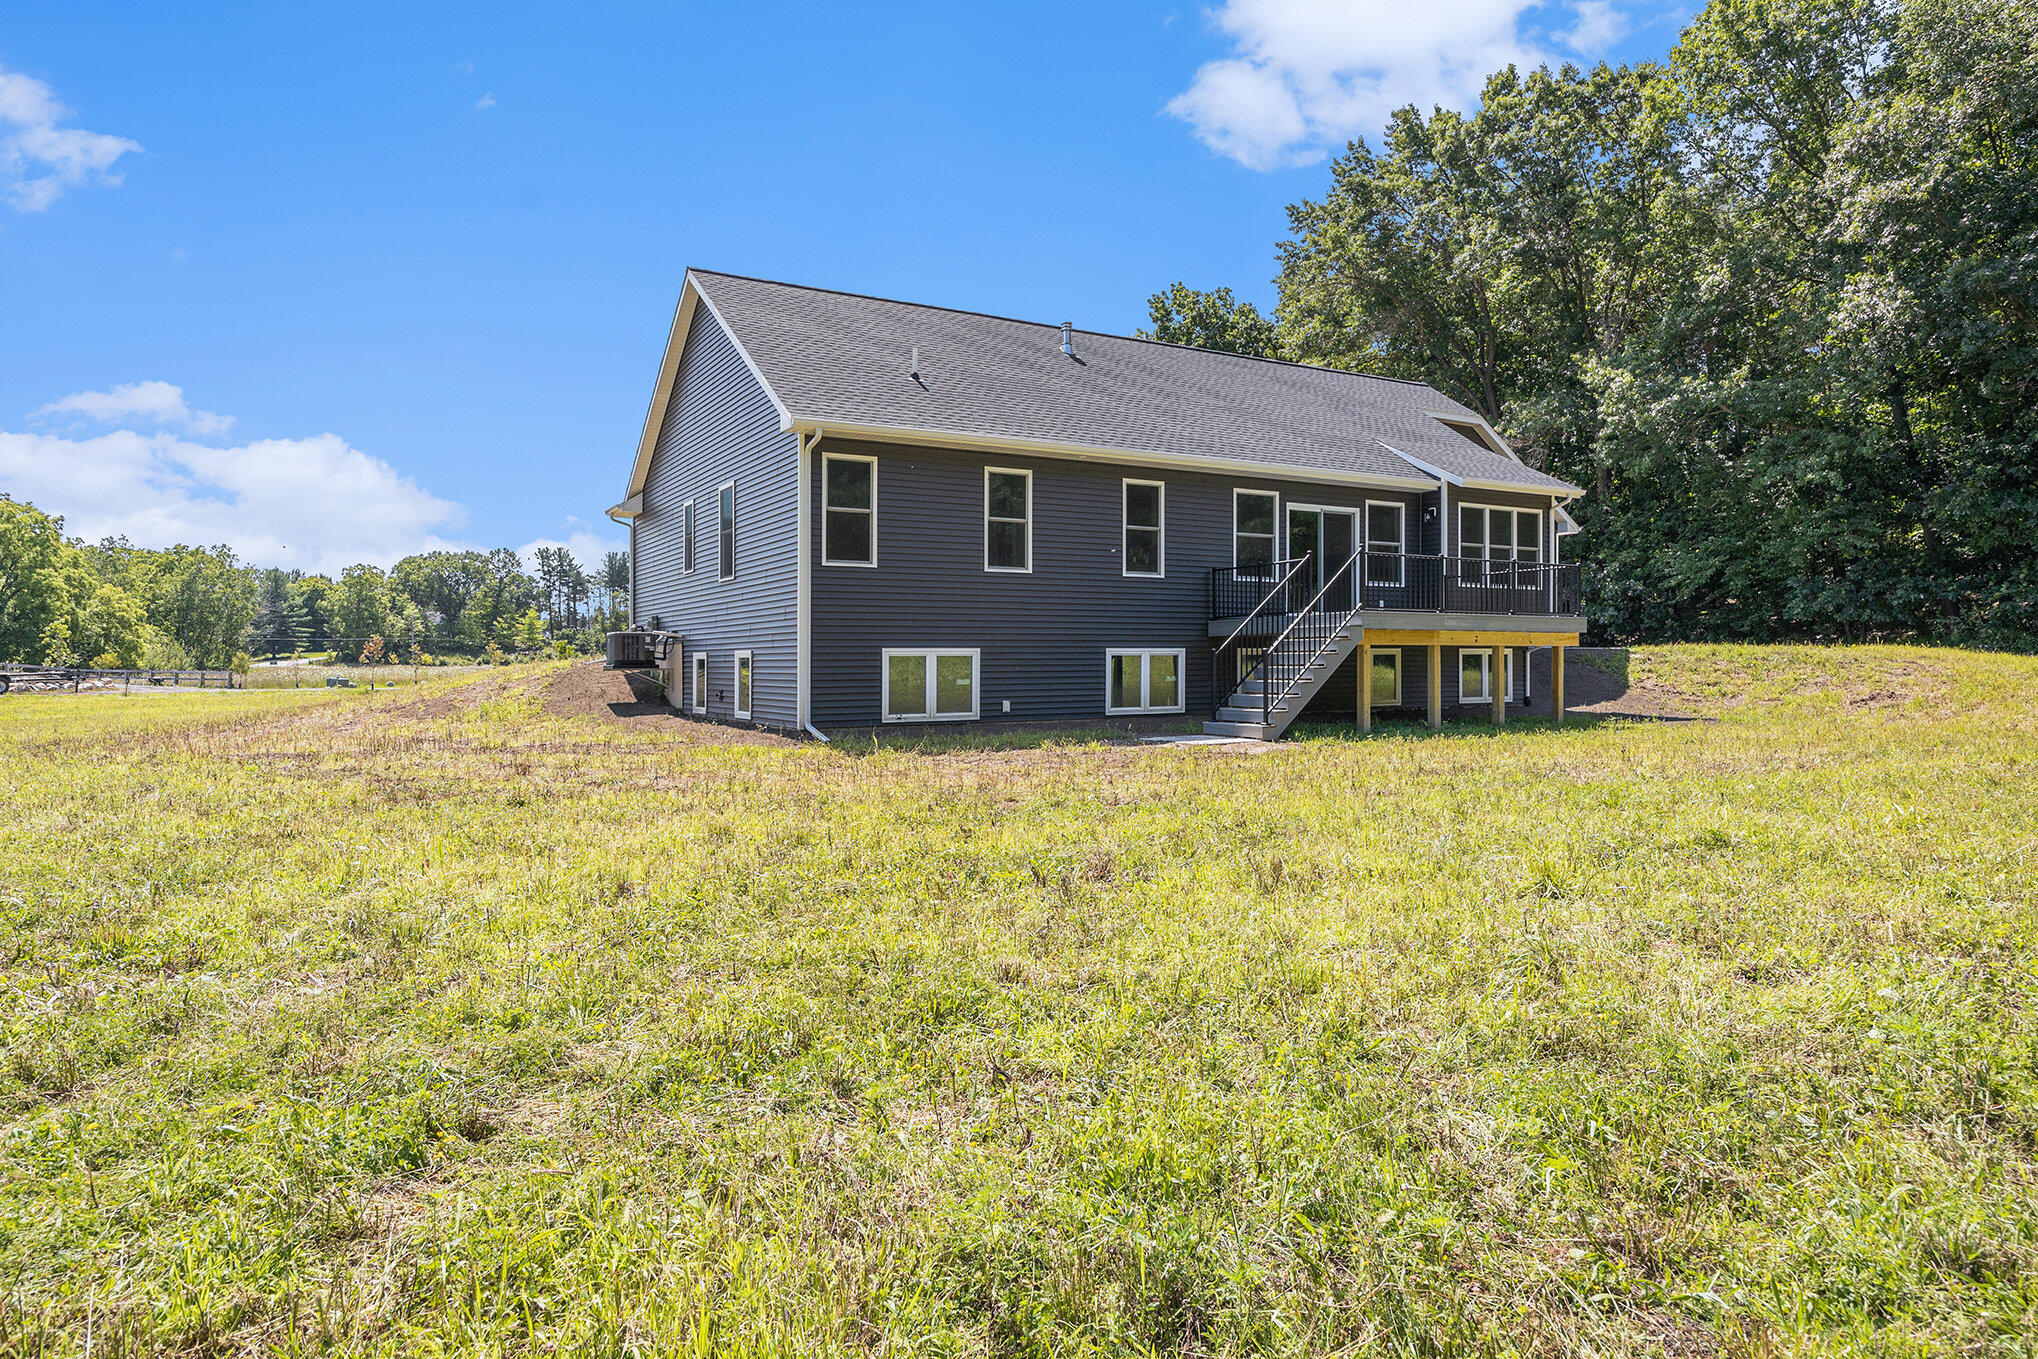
(854, 511)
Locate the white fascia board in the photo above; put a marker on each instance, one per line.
(962, 439)
(1437, 472)
(1478, 483)
(628, 509)
(690, 297)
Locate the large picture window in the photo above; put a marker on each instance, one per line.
(1143, 682)
(1008, 520)
(688, 553)
(930, 686)
(743, 684)
(1386, 540)
(727, 533)
(1487, 533)
(1145, 505)
(1252, 527)
(848, 510)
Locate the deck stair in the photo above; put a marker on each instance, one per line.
(1303, 648)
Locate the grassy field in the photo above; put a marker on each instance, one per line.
(423, 1022)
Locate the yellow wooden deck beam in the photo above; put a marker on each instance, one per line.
(1416, 637)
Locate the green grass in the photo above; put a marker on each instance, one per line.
(335, 1026)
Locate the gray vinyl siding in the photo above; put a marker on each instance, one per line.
(1337, 700)
(1043, 635)
(720, 426)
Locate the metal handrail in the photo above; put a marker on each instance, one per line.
(1218, 652)
(1268, 702)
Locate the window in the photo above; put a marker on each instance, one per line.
(700, 681)
(728, 532)
(1142, 682)
(1475, 675)
(1145, 528)
(1252, 527)
(1008, 520)
(1386, 685)
(1385, 535)
(848, 510)
(1497, 535)
(689, 545)
(930, 686)
(743, 684)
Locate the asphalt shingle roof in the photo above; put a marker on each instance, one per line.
(846, 359)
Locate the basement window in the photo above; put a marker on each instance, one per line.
(1475, 674)
(1386, 682)
(930, 686)
(848, 510)
(1142, 682)
(743, 685)
(1008, 519)
(700, 682)
(1145, 509)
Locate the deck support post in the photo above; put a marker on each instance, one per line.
(1365, 688)
(1557, 683)
(1496, 680)
(1436, 686)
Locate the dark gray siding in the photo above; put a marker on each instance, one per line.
(720, 426)
(1043, 635)
(1337, 701)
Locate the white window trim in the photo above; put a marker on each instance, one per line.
(1126, 526)
(1537, 515)
(700, 682)
(1146, 680)
(1400, 508)
(1399, 676)
(1027, 473)
(828, 558)
(725, 531)
(741, 659)
(1273, 546)
(688, 525)
(931, 654)
(1486, 664)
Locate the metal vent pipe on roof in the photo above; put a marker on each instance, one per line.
(1068, 338)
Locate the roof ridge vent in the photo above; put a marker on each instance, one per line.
(1068, 338)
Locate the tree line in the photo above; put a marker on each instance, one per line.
(111, 604)
(1772, 301)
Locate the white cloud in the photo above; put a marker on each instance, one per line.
(39, 160)
(1305, 76)
(487, 101)
(314, 503)
(158, 403)
(587, 544)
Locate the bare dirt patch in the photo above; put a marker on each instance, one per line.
(1595, 692)
(589, 691)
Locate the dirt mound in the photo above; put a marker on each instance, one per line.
(1598, 692)
(589, 692)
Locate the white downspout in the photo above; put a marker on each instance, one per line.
(804, 605)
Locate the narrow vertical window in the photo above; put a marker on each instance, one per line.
(1475, 674)
(1385, 539)
(848, 510)
(700, 682)
(1008, 520)
(1385, 687)
(1472, 532)
(743, 684)
(688, 552)
(1528, 535)
(1145, 510)
(727, 533)
(1252, 527)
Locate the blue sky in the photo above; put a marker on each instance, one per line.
(337, 283)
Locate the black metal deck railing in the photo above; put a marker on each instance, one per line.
(1405, 581)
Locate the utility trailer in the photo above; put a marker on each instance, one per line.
(49, 679)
